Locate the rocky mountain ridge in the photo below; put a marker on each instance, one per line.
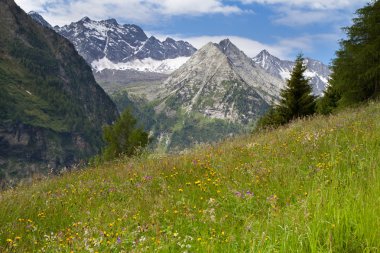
(39, 19)
(317, 71)
(220, 81)
(111, 44)
(107, 45)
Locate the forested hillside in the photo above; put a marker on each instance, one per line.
(51, 108)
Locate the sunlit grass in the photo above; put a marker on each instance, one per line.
(310, 187)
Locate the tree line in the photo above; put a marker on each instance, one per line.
(355, 74)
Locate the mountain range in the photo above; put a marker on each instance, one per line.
(107, 44)
(184, 96)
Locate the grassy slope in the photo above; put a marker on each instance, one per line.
(311, 187)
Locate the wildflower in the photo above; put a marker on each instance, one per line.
(238, 194)
(9, 240)
(180, 190)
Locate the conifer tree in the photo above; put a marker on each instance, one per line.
(296, 99)
(356, 68)
(123, 137)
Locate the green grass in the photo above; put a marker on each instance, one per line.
(312, 186)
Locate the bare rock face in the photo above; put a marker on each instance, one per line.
(220, 81)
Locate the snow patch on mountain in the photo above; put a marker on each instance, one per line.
(107, 43)
(146, 65)
(316, 71)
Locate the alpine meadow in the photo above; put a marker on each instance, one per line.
(113, 139)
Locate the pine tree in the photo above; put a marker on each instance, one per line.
(296, 99)
(123, 137)
(329, 101)
(356, 68)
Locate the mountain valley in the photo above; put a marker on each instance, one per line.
(116, 138)
(183, 96)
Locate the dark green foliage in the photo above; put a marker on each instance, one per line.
(356, 69)
(327, 103)
(271, 119)
(296, 99)
(140, 108)
(123, 137)
(51, 109)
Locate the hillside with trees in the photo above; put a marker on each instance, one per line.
(356, 68)
(296, 99)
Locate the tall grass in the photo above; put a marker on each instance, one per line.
(312, 186)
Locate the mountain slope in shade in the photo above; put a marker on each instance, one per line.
(220, 81)
(316, 71)
(106, 41)
(51, 109)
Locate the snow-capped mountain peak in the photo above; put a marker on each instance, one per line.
(108, 43)
(316, 70)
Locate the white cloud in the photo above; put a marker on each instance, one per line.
(58, 12)
(28, 5)
(297, 17)
(192, 7)
(307, 12)
(312, 4)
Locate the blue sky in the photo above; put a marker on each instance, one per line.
(283, 27)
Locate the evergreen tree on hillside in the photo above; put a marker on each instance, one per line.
(356, 69)
(123, 137)
(296, 99)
